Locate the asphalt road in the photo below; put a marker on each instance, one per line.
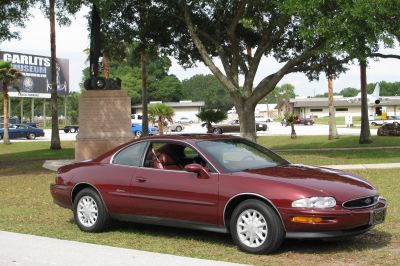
(274, 129)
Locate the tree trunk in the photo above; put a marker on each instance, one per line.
(161, 125)
(145, 117)
(55, 136)
(247, 120)
(293, 134)
(365, 134)
(332, 118)
(6, 137)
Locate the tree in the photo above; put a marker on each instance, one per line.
(211, 116)
(161, 86)
(140, 21)
(290, 119)
(8, 76)
(333, 134)
(13, 14)
(349, 92)
(241, 33)
(61, 9)
(161, 113)
(207, 88)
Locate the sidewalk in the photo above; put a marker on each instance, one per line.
(21, 249)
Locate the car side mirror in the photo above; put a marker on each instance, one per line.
(198, 169)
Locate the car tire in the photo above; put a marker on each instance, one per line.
(217, 131)
(373, 124)
(72, 130)
(178, 129)
(138, 133)
(1, 137)
(31, 136)
(90, 213)
(266, 229)
(308, 123)
(66, 130)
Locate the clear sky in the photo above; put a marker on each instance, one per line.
(72, 40)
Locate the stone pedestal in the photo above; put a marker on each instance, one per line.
(104, 122)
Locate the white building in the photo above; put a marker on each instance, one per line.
(318, 107)
(187, 109)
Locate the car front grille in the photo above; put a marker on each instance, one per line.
(361, 202)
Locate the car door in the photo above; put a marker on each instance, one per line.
(116, 178)
(13, 132)
(176, 194)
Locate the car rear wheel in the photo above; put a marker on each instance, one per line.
(178, 129)
(31, 136)
(90, 213)
(373, 124)
(66, 130)
(138, 133)
(217, 131)
(72, 130)
(256, 228)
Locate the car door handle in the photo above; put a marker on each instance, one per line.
(141, 179)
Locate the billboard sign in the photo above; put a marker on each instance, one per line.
(36, 71)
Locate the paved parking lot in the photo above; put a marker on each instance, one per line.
(274, 129)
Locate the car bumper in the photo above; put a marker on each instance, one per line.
(61, 195)
(335, 223)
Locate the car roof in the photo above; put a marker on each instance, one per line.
(189, 137)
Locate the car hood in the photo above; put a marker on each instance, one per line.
(342, 185)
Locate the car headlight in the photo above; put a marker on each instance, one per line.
(315, 202)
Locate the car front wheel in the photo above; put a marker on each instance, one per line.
(217, 131)
(256, 228)
(138, 133)
(90, 214)
(31, 136)
(178, 129)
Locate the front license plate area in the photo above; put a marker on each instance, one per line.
(378, 216)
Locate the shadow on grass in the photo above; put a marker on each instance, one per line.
(372, 240)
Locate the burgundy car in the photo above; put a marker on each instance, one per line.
(218, 183)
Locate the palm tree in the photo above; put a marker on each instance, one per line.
(209, 117)
(8, 76)
(55, 136)
(160, 112)
(290, 118)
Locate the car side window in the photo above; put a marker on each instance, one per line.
(132, 155)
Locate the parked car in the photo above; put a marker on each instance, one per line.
(299, 121)
(393, 119)
(218, 183)
(262, 119)
(137, 130)
(184, 120)
(234, 126)
(21, 131)
(176, 127)
(392, 129)
(15, 120)
(390, 119)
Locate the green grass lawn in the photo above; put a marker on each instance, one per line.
(339, 120)
(307, 142)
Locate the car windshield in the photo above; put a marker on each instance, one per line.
(234, 155)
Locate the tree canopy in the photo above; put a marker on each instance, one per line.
(13, 13)
(207, 88)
